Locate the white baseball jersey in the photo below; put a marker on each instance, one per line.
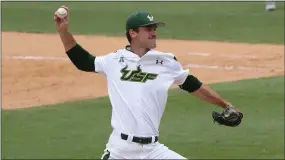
(138, 88)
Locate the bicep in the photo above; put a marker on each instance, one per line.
(185, 81)
(179, 74)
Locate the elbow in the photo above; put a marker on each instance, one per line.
(82, 65)
(80, 68)
(82, 60)
(85, 68)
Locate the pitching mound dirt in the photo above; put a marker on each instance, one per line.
(36, 71)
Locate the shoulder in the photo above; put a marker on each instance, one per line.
(113, 55)
(165, 55)
(169, 59)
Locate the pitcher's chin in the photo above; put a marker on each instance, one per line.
(152, 46)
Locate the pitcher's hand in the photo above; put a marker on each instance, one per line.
(62, 24)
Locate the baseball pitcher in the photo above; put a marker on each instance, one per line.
(138, 78)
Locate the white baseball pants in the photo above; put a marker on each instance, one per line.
(117, 148)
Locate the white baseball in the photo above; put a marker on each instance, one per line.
(61, 13)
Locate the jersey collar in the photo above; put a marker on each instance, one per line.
(130, 54)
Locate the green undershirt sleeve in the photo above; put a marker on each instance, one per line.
(81, 58)
(191, 84)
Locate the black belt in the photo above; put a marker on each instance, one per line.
(141, 140)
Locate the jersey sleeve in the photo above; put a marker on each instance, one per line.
(101, 64)
(179, 74)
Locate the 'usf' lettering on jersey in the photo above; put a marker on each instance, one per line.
(136, 75)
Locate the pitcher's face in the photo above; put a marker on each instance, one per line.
(146, 36)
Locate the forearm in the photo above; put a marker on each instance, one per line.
(68, 40)
(79, 56)
(205, 93)
(194, 86)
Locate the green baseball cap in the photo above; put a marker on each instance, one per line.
(141, 18)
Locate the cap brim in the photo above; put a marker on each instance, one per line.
(158, 24)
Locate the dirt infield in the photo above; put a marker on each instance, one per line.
(36, 71)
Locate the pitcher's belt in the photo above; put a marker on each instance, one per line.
(140, 140)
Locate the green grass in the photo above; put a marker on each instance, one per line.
(81, 129)
(221, 21)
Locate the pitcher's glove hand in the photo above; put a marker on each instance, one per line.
(230, 117)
